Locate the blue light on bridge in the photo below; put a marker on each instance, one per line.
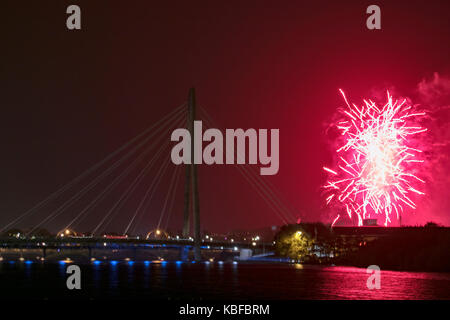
(12, 262)
(146, 263)
(113, 262)
(130, 263)
(28, 262)
(96, 262)
(163, 263)
(62, 262)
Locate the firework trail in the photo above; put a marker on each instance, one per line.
(375, 174)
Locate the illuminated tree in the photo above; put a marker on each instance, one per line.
(295, 244)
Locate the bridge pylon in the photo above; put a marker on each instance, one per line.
(191, 184)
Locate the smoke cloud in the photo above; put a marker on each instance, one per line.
(434, 95)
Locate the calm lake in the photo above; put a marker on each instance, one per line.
(186, 280)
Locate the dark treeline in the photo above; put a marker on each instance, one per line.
(408, 248)
(422, 249)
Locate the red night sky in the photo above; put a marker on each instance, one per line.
(69, 98)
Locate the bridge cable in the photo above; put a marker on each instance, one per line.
(261, 192)
(144, 199)
(137, 161)
(152, 187)
(275, 197)
(264, 188)
(133, 187)
(172, 201)
(68, 185)
(126, 195)
(139, 176)
(93, 183)
(168, 194)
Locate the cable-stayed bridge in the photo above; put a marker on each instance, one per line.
(135, 181)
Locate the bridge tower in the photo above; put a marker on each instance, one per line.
(191, 184)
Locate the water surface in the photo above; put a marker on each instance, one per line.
(186, 280)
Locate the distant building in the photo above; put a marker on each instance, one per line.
(114, 236)
(370, 222)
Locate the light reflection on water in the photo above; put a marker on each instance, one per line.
(210, 280)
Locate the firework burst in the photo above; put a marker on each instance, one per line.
(378, 160)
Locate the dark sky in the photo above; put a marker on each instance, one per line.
(69, 98)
